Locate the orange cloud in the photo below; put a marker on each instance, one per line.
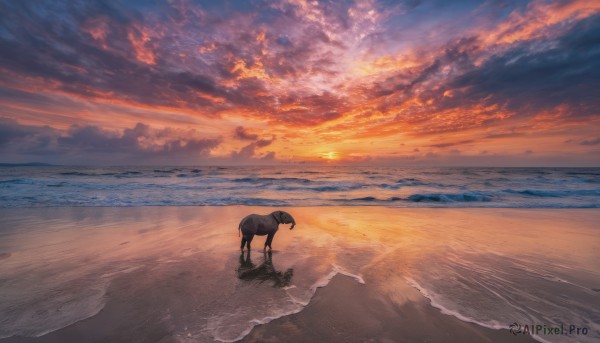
(140, 38)
(537, 20)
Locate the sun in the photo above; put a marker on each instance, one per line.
(329, 156)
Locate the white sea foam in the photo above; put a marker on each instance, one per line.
(299, 305)
(289, 186)
(433, 298)
(38, 318)
(122, 271)
(435, 302)
(340, 270)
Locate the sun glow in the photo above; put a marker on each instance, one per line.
(329, 156)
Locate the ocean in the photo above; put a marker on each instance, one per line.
(299, 185)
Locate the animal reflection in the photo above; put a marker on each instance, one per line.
(264, 272)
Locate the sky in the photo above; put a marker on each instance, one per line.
(432, 82)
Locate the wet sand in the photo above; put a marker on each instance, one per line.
(124, 318)
(173, 274)
(346, 311)
(342, 311)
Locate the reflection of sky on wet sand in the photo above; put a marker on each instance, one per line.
(182, 264)
(264, 272)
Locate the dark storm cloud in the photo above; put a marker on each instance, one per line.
(24, 138)
(244, 153)
(301, 54)
(530, 78)
(141, 141)
(591, 142)
(427, 80)
(311, 109)
(505, 135)
(270, 156)
(241, 133)
(176, 54)
(445, 145)
(557, 74)
(264, 142)
(250, 150)
(56, 45)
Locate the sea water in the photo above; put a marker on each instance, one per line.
(298, 185)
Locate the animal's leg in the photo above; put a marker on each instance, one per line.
(249, 239)
(243, 242)
(269, 241)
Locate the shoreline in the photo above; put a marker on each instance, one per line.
(353, 313)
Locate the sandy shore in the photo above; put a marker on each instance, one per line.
(343, 311)
(346, 311)
(172, 274)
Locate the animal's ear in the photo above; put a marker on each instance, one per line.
(278, 216)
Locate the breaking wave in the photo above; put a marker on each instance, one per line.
(54, 186)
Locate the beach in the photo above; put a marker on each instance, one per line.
(345, 311)
(175, 274)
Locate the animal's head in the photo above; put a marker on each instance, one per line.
(285, 218)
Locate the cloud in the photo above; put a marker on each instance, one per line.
(109, 51)
(140, 143)
(469, 84)
(249, 151)
(286, 67)
(25, 138)
(245, 152)
(241, 133)
(488, 159)
(505, 135)
(69, 57)
(538, 76)
(591, 142)
(139, 140)
(445, 145)
(270, 156)
(264, 142)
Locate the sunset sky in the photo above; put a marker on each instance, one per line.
(489, 83)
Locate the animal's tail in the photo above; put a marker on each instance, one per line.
(239, 229)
